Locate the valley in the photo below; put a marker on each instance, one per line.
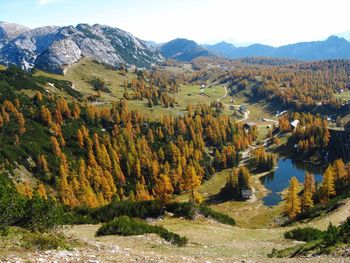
(116, 150)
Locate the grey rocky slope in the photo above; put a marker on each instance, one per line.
(56, 48)
(9, 31)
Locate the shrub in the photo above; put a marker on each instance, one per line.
(11, 203)
(141, 209)
(33, 214)
(220, 217)
(45, 241)
(126, 226)
(181, 209)
(41, 215)
(332, 235)
(304, 234)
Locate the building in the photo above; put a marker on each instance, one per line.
(249, 125)
(243, 109)
(294, 124)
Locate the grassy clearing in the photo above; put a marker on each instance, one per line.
(85, 70)
(247, 214)
(345, 95)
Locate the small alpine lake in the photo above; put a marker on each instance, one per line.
(278, 180)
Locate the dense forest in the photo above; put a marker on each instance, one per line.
(88, 155)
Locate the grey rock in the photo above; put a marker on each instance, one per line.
(9, 31)
(58, 56)
(56, 48)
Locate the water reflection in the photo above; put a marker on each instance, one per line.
(278, 180)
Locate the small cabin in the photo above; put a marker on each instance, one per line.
(243, 109)
(246, 194)
(249, 125)
(294, 124)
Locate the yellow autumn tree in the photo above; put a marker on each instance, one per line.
(327, 187)
(309, 190)
(80, 138)
(163, 189)
(25, 189)
(293, 206)
(192, 182)
(42, 191)
(339, 170)
(42, 163)
(66, 191)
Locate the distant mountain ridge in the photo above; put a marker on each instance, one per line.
(332, 48)
(54, 48)
(183, 50)
(186, 50)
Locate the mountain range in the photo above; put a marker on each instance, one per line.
(332, 48)
(54, 48)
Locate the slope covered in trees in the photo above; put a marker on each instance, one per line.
(87, 155)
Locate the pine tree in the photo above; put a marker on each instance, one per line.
(45, 115)
(66, 192)
(327, 187)
(192, 182)
(163, 189)
(293, 207)
(80, 138)
(42, 191)
(42, 163)
(309, 190)
(339, 170)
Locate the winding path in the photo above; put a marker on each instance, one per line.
(218, 99)
(246, 114)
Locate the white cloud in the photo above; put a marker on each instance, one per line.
(44, 2)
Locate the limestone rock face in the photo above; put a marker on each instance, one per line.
(55, 48)
(9, 31)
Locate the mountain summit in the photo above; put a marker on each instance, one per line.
(183, 50)
(56, 48)
(9, 31)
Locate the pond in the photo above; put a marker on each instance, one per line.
(278, 180)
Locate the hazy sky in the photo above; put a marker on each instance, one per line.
(273, 22)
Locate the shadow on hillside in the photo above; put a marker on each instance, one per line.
(221, 197)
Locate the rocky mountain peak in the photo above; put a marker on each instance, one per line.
(55, 48)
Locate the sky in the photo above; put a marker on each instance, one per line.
(242, 22)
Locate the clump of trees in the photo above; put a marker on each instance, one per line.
(335, 180)
(238, 181)
(264, 161)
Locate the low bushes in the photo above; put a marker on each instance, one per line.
(318, 242)
(220, 217)
(143, 209)
(34, 214)
(304, 234)
(126, 226)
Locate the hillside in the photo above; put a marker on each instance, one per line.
(98, 138)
